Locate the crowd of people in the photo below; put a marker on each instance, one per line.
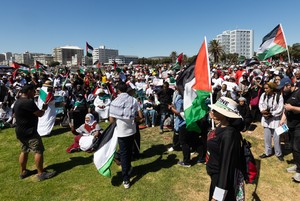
(147, 96)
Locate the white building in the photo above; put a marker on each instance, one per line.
(124, 59)
(65, 55)
(224, 40)
(241, 41)
(103, 55)
(45, 59)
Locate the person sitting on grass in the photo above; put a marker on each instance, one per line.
(149, 111)
(82, 140)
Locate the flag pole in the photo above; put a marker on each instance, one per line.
(209, 80)
(287, 48)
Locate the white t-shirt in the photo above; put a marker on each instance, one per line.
(125, 127)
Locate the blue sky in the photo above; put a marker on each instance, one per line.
(139, 27)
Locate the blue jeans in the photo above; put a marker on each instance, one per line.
(147, 114)
(162, 119)
(126, 144)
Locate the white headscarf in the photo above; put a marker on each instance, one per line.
(89, 115)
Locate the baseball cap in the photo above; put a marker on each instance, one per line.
(284, 81)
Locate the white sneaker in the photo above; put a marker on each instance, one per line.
(292, 169)
(170, 149)
(296, 177)
(126, 184)
(193, 153)
(153, 126)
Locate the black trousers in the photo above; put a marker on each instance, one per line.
(295, 142)
(184, 142)
(137, 143)
(176, 144)
(126, 144)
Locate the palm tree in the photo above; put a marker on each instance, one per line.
(215, 49)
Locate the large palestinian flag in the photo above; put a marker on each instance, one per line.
(39, 66)
(89, 50)
(105, 154)
(46, 96)
(195, 85)
(273, 43)
(47, 121)
(20, 67)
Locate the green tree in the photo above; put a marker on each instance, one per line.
(216, 50)
(233, 58)
(191, 59)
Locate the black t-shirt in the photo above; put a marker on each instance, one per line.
(26, 121)
(293, 119)
(165, 98)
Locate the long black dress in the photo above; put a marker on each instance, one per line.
(223, 154)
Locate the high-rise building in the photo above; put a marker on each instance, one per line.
(8, 56)
(103, 55)
(64, 54)
(45, 59)
(2, 58)
(24, 58)
(224, 40)
(240, 41)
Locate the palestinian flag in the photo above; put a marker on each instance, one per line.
(178, 63)
(195, 85)
(21, 67)
(46, 96)
(32, 70)
(40, 67)
(273, 43)
(105, 153)
(89, 50)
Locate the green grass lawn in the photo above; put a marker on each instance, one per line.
(156, 175)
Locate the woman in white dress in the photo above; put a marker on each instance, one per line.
(102, 103)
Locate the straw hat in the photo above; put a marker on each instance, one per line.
(227, 107)
(48, 83)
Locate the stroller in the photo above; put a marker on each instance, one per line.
(60, 108)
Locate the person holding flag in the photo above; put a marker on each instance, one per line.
(123, 111)
(26, 114)
(180, 127)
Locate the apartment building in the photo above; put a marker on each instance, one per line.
(103, 54)
(240, 41)
(65, 55)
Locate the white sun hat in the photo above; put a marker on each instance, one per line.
(227, 107)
